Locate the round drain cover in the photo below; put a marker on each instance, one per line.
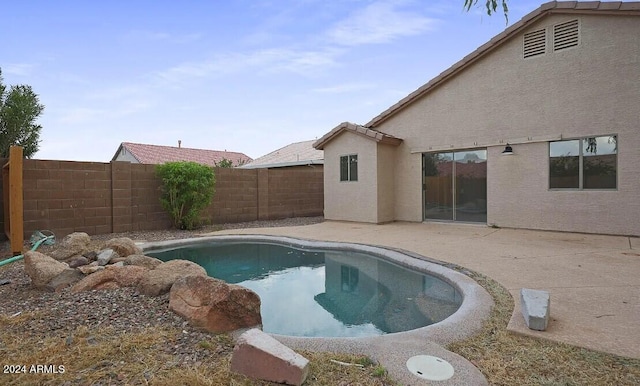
(430, 367)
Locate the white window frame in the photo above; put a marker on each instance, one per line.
(350, 159)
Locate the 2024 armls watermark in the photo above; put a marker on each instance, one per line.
(33, 369)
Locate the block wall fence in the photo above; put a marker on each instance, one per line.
(99, 198)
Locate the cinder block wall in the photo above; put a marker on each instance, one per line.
(294, 192)
(98, 198)
(146, 211)
(65, 196)
(236, 197)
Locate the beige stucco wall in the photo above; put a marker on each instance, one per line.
(386, 182)
(535, 206)
(351, 200)
(592, 89)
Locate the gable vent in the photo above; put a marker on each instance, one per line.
(565, 35)
(534, 43)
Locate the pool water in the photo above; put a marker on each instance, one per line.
(325, 293)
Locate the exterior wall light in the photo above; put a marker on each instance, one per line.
(508, 150)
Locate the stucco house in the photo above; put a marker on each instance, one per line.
(538, 128)
(157, 154)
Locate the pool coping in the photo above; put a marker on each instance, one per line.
(394, 349)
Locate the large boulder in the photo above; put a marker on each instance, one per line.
(214, 305)
(143, 261)
(158, 281)
(124, 246)
(111, 278)
(72, 244)
(42, 268)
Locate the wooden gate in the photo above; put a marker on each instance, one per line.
(12, 199)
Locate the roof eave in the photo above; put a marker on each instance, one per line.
(284, 164)
(367, 133)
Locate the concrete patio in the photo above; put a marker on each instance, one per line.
(593, 280)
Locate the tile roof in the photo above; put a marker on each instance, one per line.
(298, 153)
(156, 154)
(373, 135)
(552, 7)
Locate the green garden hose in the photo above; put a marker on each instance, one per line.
(37, 239)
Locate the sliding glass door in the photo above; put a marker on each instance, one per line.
(437, 169)
(455, 185)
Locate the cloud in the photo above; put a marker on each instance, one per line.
(80, 115)
(147, 36)
(17, 69)
(303, 62)
(379, 22)
(345, 88)
(108, 104)
(125, 99)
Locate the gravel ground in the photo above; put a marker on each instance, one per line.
(124, 309)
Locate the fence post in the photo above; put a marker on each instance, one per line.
(263, 194)
(121, 199)
(13, 200)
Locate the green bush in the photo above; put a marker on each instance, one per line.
(187, 189)
(224, 163)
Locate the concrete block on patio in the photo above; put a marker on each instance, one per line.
(259, 356)
(535, 308)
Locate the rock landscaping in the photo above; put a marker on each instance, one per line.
(122, 337)
(205, 302)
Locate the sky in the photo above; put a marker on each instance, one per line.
(239, 75)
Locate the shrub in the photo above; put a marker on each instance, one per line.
(187, 189)
(224, 163)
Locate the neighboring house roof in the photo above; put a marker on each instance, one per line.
(552, 7)
(373, 135)
(298, 153)
(156, 154)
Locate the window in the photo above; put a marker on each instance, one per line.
(349, 278)
(349, 167)
(584, 163)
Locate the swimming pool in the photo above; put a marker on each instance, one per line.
(392, 350)
(322, 292)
